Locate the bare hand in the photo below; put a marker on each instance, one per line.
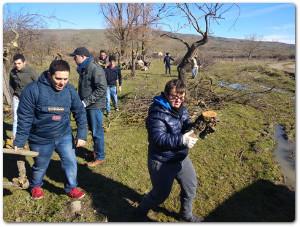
(80, 143)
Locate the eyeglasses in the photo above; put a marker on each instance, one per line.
(175, 97)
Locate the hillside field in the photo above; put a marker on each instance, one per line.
(239, 179)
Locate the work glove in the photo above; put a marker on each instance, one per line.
(188, 139)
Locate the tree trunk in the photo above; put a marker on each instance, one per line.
(6, 91)
(185, 62)
(133, 58)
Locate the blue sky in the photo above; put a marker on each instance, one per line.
(268, 21)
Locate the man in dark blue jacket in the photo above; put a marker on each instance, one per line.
(170, 138)
(92, 91)
(167, 62)
(114, 80)
(44, 120)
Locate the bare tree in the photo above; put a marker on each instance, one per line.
(129, 27)
(200, 18)
(253, 44)
(120, 18)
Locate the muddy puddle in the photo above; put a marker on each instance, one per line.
(285, 155)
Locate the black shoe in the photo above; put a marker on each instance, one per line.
(193, 218)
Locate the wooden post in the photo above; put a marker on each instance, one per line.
(20, 152)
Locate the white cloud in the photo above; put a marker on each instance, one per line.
(279, 38)
(283, 27)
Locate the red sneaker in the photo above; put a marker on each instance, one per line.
(76, 193)
(37, 193)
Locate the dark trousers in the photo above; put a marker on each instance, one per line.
(167, 68)
(162, 177)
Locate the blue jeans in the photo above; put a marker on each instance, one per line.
(65, 148)
(111, 93)
(15, 105)
(162, 177)
(95, 117)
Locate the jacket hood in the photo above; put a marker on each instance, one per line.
(45, 80)
(162, 101)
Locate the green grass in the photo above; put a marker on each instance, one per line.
(236, 183)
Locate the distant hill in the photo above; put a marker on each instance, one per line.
(219, 47)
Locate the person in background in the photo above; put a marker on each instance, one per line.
(114, 80)
(92, 91)
(195, 67)
(103, 59)
(44, 120)
(167, 62)
(19, 77)
(170, 138)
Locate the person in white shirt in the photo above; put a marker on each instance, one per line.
(195, 67)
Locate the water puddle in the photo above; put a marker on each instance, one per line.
(235, 86)
(285, 156)
(243, 87)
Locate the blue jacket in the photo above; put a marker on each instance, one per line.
(167, 60)
(166, 127)
(44, 113)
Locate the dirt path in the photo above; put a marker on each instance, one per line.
(287, 66)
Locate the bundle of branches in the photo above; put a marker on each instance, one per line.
(136, 109)
(202, 97)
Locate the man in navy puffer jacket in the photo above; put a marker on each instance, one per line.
(169, 139)
(44, 120)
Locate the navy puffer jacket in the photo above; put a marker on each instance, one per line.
(166, 127)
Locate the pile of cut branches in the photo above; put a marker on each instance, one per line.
(135, 109)
(200, 98)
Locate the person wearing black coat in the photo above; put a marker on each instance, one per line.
(167, 62)
(170, 138)
(92, 92)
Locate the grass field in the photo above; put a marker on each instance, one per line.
(239, 181)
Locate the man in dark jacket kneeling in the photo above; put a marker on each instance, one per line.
(169, 139)
(44, 119)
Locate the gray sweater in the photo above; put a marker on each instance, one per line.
(19, 79)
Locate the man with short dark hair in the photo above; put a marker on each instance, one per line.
(114, 80)
(92, 91)
(44, 120)
(167, 62)
(170, 138)
(103, 59)
(19, 77)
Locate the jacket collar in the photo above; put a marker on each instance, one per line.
(83, 66)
